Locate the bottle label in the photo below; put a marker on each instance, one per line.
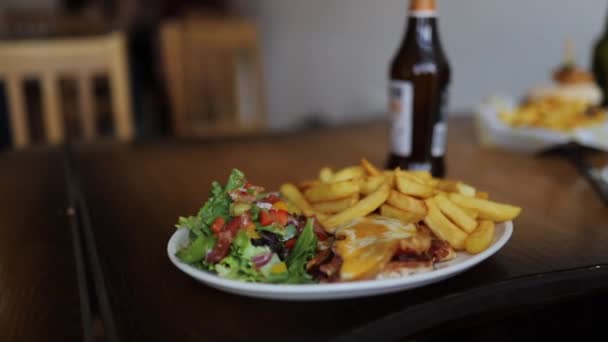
(440, 131)
(401, 108)
(439, 139)
(420, 167)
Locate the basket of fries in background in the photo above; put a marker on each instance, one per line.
(566, 111)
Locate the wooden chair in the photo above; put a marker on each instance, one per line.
(22, 23)
(48, 60)
(213, 72)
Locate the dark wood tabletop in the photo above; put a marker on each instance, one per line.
(135, 193)
(40, 296)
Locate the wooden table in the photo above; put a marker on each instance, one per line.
(43, 295)
(134, 194)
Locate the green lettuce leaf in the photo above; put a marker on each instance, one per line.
(218, 205)
(269, 276)
(235, 181)
(197, 250)
(194, 224)
(237, 265)
(304, 249)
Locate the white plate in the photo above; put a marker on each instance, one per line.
(366, 288)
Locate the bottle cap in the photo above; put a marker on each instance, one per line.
(423, 5)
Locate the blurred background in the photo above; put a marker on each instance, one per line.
(218, 67)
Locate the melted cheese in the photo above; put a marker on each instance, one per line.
(367, 244)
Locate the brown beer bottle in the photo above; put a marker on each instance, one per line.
(419, 79)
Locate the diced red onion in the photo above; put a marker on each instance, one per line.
(292, 221)
(260, 260)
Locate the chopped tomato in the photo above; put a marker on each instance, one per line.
(221, 248)
(233, 226)
(319, 231)
(217, 225)
(279, 216)
(290, 243)
(321, 235)
(272, 199)
(265, 218)
(247, 185)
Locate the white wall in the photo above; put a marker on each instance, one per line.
(331, 56)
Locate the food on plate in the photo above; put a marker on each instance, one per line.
(362, 208)
(487, 210)
(455, 214)
(443, 227)
(332, 191)
(481, 238)
(447, 213)
(336, 206)
(554, 114)
(570, 102)
(245, 233)
(356, 223)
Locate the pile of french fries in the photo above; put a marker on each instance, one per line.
(554, 114)
(456, 212)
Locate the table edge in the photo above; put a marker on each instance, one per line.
(508, 294)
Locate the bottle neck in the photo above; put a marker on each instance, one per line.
(422, 30)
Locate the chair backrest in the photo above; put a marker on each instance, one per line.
(21, 23)
(47, 61)
(214, 76)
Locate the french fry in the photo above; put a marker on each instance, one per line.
(353, 172)
(481, 238)
(470, 212)
(488, 210)
(295, 197)
(406, 203)
(432, 182)
(454, 213)
(390, 179)
(411, 176)
(303, 185)
(425, 175)
(466, 190)
(388, 210)
(333, 207)
(456, 187)
(362, 208)
(371, 184)
(447, 185)
(443, 227)
(331, 191)
(325, 175)
(369, 168)
(409, 187)
(482, 195)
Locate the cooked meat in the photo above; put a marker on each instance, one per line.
(323, 255)
(416, 245)
(441, 251)
(332, 268)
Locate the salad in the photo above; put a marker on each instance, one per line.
(244, 233)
